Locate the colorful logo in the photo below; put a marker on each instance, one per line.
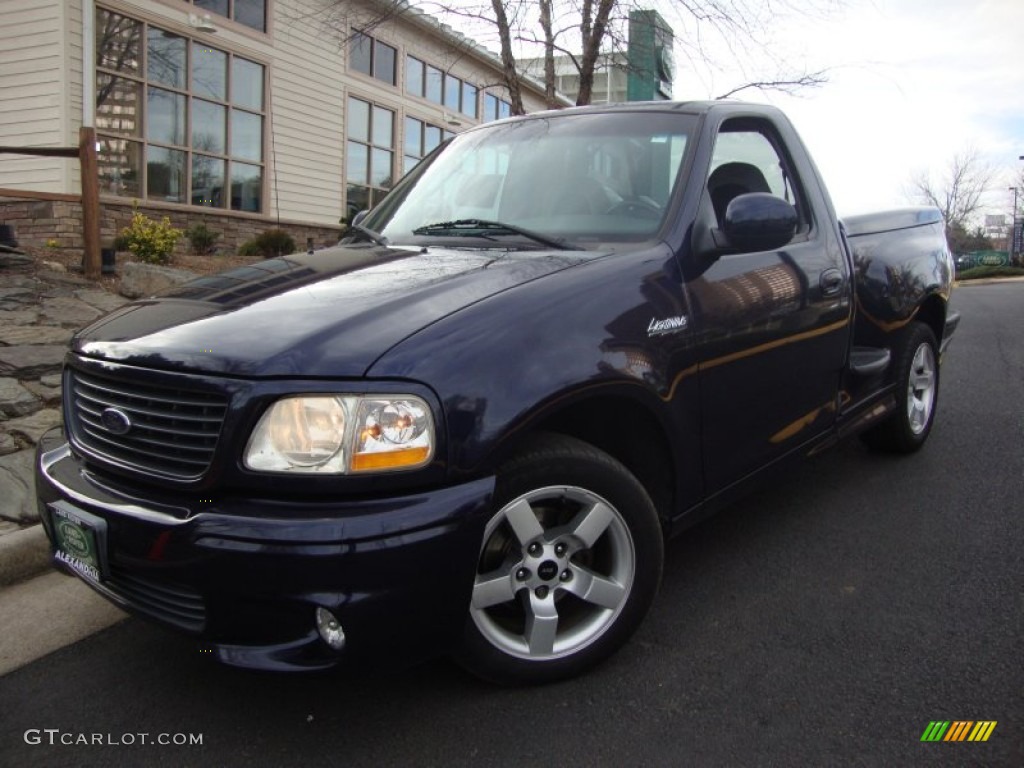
(958, 730)
(74, 540)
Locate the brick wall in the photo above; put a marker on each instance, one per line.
(39, 221)
(36, 222)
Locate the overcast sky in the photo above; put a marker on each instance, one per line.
(911, 84)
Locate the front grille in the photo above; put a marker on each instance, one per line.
(173, 603)
(173, 431)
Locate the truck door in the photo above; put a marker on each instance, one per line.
(772, 326)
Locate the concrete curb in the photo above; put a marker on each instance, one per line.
(988, 281)
(23, 554)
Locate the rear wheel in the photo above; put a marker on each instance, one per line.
(569, 565)
(917, 394)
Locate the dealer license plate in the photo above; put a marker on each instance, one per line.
(80, 537)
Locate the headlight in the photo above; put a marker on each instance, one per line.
(324, 434)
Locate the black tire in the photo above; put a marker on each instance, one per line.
(569, 565)
(917, 394)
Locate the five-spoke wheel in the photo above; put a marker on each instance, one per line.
(917, 381)
(921, 388)
(568, 566)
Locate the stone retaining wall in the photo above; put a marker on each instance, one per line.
(41, 223)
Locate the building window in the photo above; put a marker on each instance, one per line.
(420, 140)
(251, 13)
(495, 108)
(431, 83)
(469, 106)
(369, 154)
(414, 72)
(434, 84)
(452, 92)
(203, 112)
(372, 57)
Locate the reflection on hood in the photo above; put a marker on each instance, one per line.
(331, 313)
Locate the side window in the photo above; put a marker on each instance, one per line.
(746, 159)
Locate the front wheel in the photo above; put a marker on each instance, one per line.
(917, 394)
(569, 565)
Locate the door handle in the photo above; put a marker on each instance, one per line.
(831, 282)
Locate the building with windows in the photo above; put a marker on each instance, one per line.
(611, 77)
(644, 72)
(240, 114)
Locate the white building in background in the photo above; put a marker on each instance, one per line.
(236, 113)
(996, 226)
(611, 77)
(643, 72)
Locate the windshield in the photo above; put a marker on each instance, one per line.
(571, 179)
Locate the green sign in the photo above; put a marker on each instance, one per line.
(651, 63)
(990, 258)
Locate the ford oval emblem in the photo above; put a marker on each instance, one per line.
(115, 421)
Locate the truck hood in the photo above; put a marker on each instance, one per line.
(328, 314)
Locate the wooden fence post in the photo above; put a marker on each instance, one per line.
(90, 201)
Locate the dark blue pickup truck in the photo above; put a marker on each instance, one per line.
(470, 426)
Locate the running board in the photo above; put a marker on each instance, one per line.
(869, 361)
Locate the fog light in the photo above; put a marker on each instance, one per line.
(330, 630)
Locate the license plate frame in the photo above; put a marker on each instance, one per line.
(80, 539)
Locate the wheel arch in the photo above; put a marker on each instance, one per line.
(933, 314)
(626, 430)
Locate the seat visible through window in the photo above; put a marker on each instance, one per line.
(731, 180)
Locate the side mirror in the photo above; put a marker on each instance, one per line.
(358, 218)
(759, 222)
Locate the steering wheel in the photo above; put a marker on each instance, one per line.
(636, 206)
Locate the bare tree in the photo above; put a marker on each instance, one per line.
(958, 191)
(789, 85)
(591, 33)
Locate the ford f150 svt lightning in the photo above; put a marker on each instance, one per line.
(470, 426)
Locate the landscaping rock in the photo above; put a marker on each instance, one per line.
(18, 317)
(7, 444)
(15, 298)
(142, 280)
(13, 259)
(49, 395)
(16, 487)
(15, 400)
(106, 302)
(16, 335)
(31, 361)
(33, 426)
(70, 313)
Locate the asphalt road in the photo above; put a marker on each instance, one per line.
(825, 621)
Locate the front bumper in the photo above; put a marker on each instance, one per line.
(246, 576)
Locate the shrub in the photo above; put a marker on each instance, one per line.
(979, 273)
(273, 242)
(151, 241)
(249, 248)
(202, 239)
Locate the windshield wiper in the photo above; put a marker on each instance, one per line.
(374, 237)
(467, 227)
